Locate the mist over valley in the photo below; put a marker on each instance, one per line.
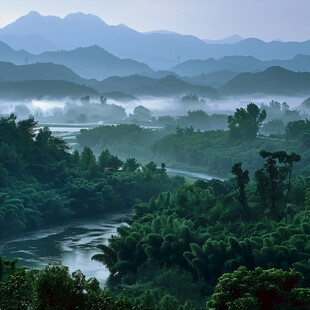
(154, 169)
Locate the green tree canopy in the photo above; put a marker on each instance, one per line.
(244, 124)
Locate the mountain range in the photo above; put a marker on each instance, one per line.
(121, 88)
(48, 79)
(89, 62)
(274, 80)
(83, 50)
(239, 64)
(160, 50)
(96, 63)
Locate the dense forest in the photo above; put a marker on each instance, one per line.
(207, 143)
(43, 181)
(215, 227)
(215, 236)
(217, 150)
(238, 238)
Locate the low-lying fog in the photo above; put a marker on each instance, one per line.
(94, 111)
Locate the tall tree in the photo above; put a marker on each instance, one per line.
(271, 178)
(242, 179)
(131, 164)
(244, 124)
(88, 159)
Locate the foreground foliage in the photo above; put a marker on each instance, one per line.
(54, 288)
(259, 289)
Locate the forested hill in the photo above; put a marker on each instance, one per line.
(143, 85)
(274, 80)
(93, 62)
(42, 181)
(38, 71)
(239, 64)
(58, 81)
(55, 89)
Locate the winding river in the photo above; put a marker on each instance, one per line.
(73, 244)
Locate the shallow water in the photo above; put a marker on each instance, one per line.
(73, 244)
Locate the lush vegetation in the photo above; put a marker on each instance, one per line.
(260, 289)
(124, 140)
(130, 139)
(211, 228)
(55, 288)
(208, 143)
(43, 182)
(87, 110)
(197, 119)
(216, 151)
(195, 246)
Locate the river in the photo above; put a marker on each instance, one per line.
(194, 175)
(72, 244)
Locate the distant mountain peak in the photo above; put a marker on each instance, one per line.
(33, 14)
(82, 16)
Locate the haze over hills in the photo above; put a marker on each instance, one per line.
(22, 90)
(239, 64)
(81, 30)
(8, 54)
(230, 40)
(89, 62)
(274, 80)
(93, 62)
(146, 86)
(123, 88)
(159, 49)
(87, 58)
(163, 164)
(33, 43)
(214, 79)
(40, 71)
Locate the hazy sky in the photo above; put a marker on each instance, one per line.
(208, 19)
